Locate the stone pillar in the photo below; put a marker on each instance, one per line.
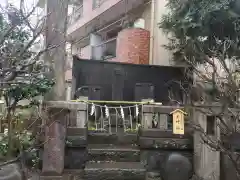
(82, 117)
(73, 85)
(69, 93)
(206, 160)
(147, 120)
(163, 124)
(147, 115)
(54, 144)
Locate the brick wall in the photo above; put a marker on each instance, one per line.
(133, 46)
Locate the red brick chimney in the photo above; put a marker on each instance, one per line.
(133, 46)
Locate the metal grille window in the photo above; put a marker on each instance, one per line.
(76, 14)
(97, 3)
(105, 50)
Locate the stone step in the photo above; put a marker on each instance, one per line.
(114, 171)
(117, 139)
(113, 153)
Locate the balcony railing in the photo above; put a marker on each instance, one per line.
(76, 14)
(105, 50)
(97, 3)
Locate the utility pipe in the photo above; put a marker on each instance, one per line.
(151, 53)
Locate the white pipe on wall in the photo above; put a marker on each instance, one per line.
(151, 53)
(69, 93)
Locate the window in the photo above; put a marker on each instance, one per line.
(76, 13)
(97, 3)
(210, 125)
(94, 5)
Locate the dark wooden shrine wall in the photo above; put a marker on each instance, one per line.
(117, 81)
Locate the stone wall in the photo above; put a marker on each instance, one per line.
(155, 147)
(163, 154)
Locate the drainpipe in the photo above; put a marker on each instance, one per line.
(151, 61)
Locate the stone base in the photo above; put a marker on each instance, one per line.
(75, 158)
(153, 176)
(52, 178)
(154, 159)
(67, 175)
(114, 171)
(10, 171)
(117, 139)
(113, 153)
(53, 155)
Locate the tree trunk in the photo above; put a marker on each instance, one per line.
(56, 24)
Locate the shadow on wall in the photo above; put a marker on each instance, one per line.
(114, 81)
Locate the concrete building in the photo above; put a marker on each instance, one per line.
(99, 29)
(94, 26)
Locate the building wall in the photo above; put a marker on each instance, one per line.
(146, 15)
(86, 52)
(76, 50)
(89, 13)
(161, 56)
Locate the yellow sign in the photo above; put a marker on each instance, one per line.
(178, 121)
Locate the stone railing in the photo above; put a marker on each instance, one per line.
(160, 149)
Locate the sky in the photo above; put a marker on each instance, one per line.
(28, 3)
(34, 18)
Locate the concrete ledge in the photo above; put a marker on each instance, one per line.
(105, 138)
(160, 109)
(52, 178)
(165, 143)
(76, 141)
(74, 174)
(75, 131)
(114, 171)
(71, 132)
(114, 153)
(67, 105)
(158, 133)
